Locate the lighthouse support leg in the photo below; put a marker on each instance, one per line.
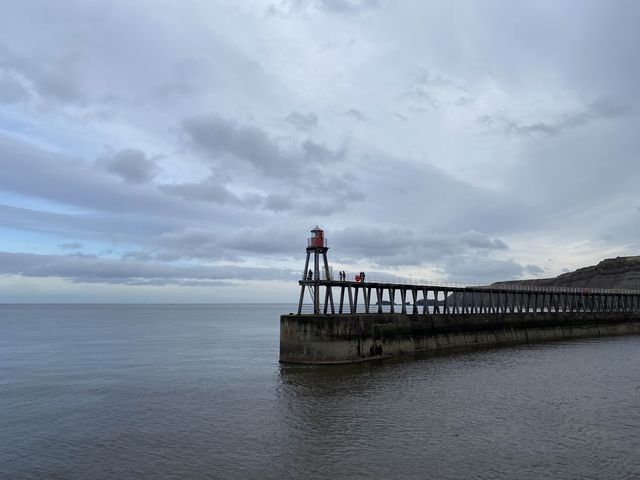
(366, 299)
(392, 300)
(301, 299)
(414, 295)
(316, 280)
(330, 279)
(351, 306)
(326, 299)
(355, 300)
(425, 296)
(304, 277)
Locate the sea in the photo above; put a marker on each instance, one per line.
(196, 392)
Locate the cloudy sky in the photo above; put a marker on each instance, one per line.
(180, 151)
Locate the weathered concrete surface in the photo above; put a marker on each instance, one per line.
(326, 339)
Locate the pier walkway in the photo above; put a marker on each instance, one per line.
(344, 297)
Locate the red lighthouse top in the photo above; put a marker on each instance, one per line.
(317, 239)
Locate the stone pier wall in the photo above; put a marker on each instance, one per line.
(328, 339)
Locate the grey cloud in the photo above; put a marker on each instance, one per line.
(474, 269)
(139, 255)
(423, 90)
(316, 199)
(356, 114)
(349, 6)
(279, 202)
(534, 43)
(333, 6)
(91, 269)
(424, 78)
(533, 270)
(205, 283)
(31, 171)
(401, 247)
(578, 179)
(70, 246)
(161, 282)
(464, 101)
(599, 110)
(96, 207)
(337, 199)
(219, 137)
(91, 226)
(12, 89)
(427, 198)
(52, 78)
(209, 190)
(318, 153)
(302, 121)
(320, 197)
(191, 242)
(185, 73)
(421, 100)
(262, 241)
(210, 244)
(132, 165)
(502, 124)
(479, 240)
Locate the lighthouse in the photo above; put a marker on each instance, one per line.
(311, 278)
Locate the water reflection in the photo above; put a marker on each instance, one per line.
(196, 392)
(536, 411)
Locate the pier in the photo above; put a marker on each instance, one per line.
(375, 297)
(352, 319)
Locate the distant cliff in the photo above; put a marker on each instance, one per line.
(619, 272)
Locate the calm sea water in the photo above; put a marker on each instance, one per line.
(196, 392)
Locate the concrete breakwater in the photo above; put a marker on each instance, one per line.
(348, 338)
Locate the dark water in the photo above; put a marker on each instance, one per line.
(191, 392)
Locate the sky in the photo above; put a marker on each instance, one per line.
(180, 151)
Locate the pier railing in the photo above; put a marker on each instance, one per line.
(430, 298)
(413, 282)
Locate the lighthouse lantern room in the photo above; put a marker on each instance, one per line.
(317, 239)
